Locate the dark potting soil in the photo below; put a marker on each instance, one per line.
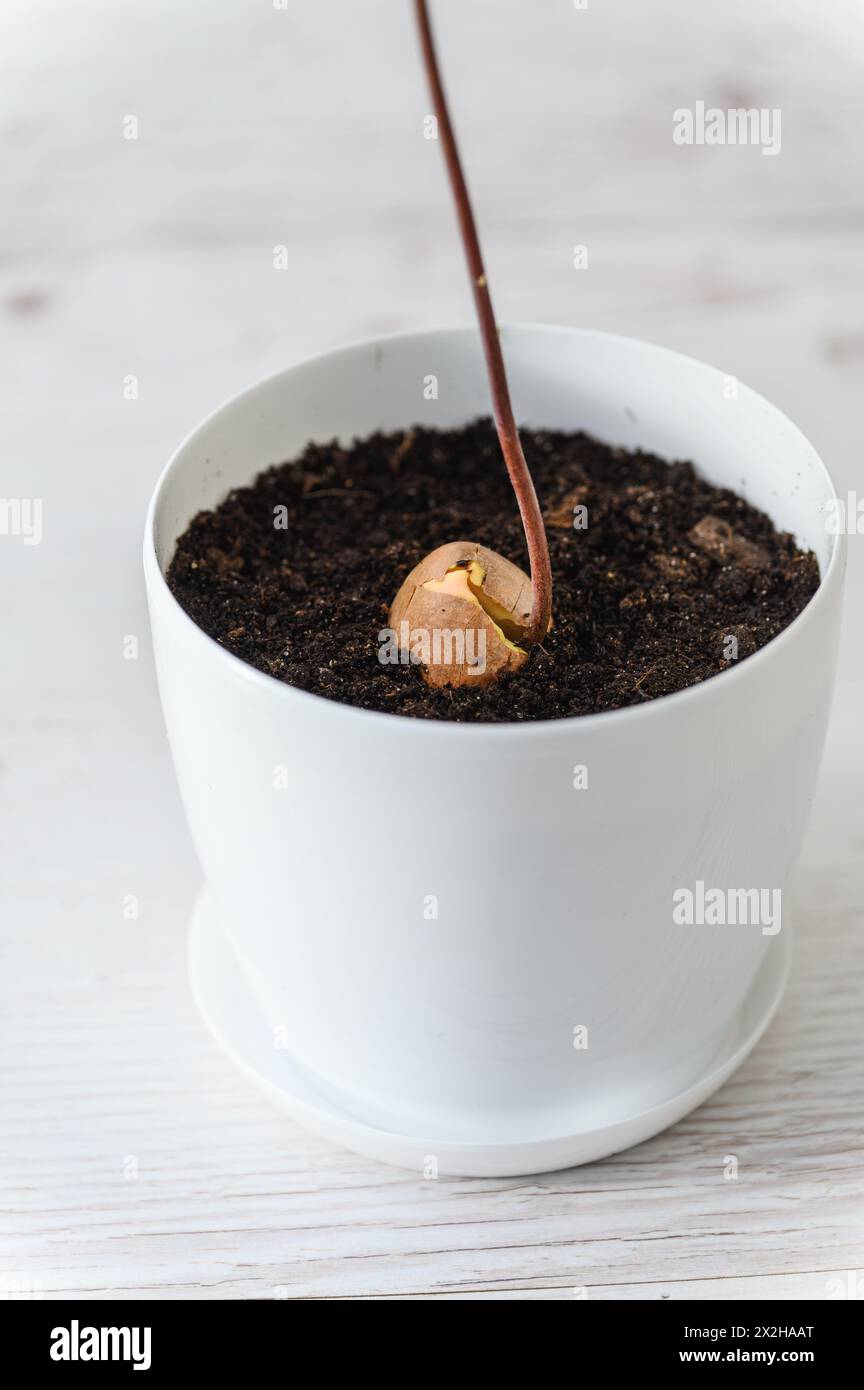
(659, 585)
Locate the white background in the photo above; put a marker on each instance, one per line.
(303, 127)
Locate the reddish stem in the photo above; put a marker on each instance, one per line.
(508, 434)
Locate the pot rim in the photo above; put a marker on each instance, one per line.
(536, 728)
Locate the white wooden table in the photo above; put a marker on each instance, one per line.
(135, 1160)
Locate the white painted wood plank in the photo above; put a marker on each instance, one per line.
(787, 1287)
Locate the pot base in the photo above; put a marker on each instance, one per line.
(229, 1010)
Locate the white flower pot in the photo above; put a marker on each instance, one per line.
(554, 904)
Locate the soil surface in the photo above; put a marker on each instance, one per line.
(664, 580)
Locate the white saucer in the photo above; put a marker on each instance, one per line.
(229, 1010)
